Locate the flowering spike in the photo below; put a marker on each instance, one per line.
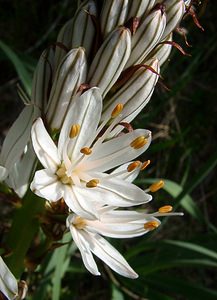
(165, 209)
(139, 142)
(151, 225)
(74, 130)
(156, 186)
(92, 183)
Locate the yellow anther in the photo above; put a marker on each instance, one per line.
(117, 110)
(133, 165)
(165, 209)
(156, 186)
(74, 130)
(92, 183)
(151, 225)
(145, 164)
(139, 142)
(79, 223)
(86, 151)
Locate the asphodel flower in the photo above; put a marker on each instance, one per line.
(8, 283)
(75, 170)
(112, 223)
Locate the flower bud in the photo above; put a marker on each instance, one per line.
(162, 51)
(175, 10)
(70, 74)
(147, 36)
(42, 79)
(114, 13)
(110, 60)
(139, 8)
(135, 93)
(8, 283)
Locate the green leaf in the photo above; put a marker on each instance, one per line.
(116, 294)
(19, 66)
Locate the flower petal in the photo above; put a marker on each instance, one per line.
(45, 184)
(44, 146)
(107, 253)
(8, 283)
(116, 151)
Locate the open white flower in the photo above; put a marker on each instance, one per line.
(8, 283)
(115, 224)
(75, 170)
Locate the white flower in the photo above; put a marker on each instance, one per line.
(75, 170)
(115, 224)
(8, 283)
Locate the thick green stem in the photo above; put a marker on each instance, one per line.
(25, 226)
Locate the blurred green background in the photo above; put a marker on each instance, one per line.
(179, 260)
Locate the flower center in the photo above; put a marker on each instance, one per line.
(61, 173)
(79, 223)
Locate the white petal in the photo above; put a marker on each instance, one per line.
(3, 173)
(116, 151)
(125, 175)
(85, 111)
(83, 246)
(44, 146)
(45, 184)
(107, 253)
(8, 283)
(78, 202)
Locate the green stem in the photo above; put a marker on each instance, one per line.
(25, 226)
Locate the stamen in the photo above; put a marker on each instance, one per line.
(165, 209)
(156, 186)
(139, 142)
(151, 225)
(145, 164)
(92, 183)
(86, 151)
(133, 165)
(74, 130)
(79, 223)
(117, 110)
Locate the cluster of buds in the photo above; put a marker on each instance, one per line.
(87, 88)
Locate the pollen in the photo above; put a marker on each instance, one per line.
(139, 142)
(92, 183)
(74, 130)
(117, 110)
(165, 209)
(86, 151)
(145, 164)
(151, 225)
(133, 165)
(156, 186)
(79, 223)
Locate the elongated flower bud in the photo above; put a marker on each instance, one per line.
(114, 13)
(110, 60)
(175, 10)
(42, 79)
(147, 36)
(78, 32)
(162, 51)
(69, 76)
(139, 8)
(136, 93)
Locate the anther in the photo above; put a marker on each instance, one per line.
(139, 142)
(165, 209)
(133, 165)
(92, 183)
(156, 186)
(74, 130)
(117, 110)
(151, 225)
(86, 151)
(145, 164)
